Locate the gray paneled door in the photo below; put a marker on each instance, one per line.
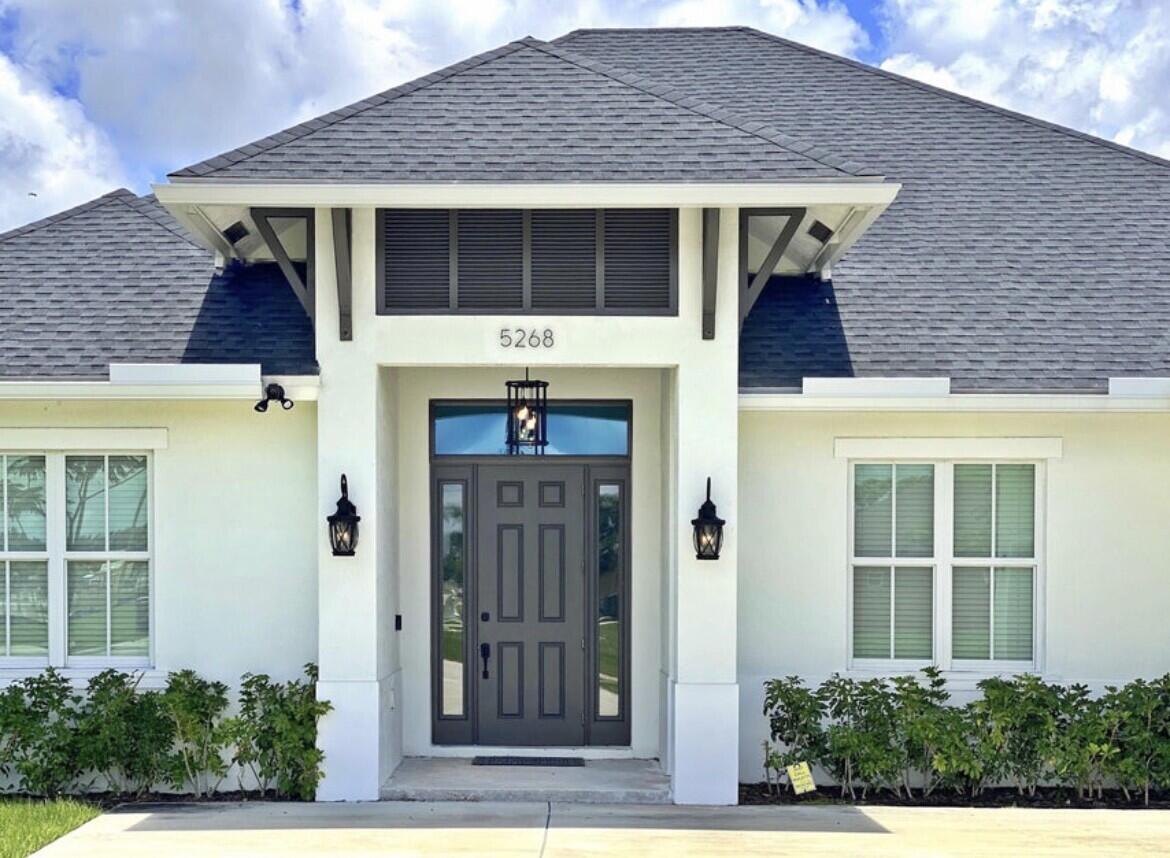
(531, 592)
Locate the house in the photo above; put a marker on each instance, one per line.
(914, 348)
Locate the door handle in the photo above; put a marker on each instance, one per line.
(485, 652)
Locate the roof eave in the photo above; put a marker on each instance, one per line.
(860, 191)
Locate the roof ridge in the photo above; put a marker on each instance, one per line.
(265, 144)
(652, 86)
(937, 90)
(118, 194)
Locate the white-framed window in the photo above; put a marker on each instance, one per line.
(945, 565)
(76, 559)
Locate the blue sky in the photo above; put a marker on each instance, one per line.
(96, 94)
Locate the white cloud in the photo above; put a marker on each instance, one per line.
(1098, 65)
(825, 25)
(49, 148)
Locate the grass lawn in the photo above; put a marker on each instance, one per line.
(26, 826)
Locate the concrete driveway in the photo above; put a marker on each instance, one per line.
(539, 829)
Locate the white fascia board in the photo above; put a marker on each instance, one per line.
(902, 387)
(948, 448)
(50, 438)
(970, 402)
(1140, 387)
(177, 194)
(149, 381)
(185, 373)
(298, 388)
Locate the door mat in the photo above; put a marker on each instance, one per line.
(555, 762)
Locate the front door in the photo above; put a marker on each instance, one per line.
(530, 598)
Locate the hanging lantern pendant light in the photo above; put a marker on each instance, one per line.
(527, 415)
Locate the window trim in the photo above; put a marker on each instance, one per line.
(58, 557)
(943, 561)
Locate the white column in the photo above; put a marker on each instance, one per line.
(706, 695)
(352, 608)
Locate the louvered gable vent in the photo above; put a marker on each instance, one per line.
(491, 259)
(567, 261)
(564, 260)
(416, 259)
(638, 258)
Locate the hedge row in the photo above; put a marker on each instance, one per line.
(902, 735)
(119, 739)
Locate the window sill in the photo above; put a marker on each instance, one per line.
(152, 678)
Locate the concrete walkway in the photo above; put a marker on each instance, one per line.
(550, 831)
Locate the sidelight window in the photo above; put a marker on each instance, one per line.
(452, 599)
(610, 565)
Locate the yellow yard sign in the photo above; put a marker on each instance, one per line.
(801, 777)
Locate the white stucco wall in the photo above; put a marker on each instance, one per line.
(234, 530)
(1107, 540)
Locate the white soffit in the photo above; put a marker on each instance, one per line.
(1140, 387)
(948, 448)
(899, 387)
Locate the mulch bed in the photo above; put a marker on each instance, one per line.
(760, 793)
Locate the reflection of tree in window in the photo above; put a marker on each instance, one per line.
(609, 565)
(86, 498)
(26, 503)
(451, 593)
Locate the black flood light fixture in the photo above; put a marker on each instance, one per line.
(273, 393)
(527, 415)
(708, 530)
(343, 524)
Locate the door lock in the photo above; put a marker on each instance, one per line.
(485, 652)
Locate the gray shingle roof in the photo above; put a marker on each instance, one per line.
(1019, 256)
(530, 111)
(118, 280)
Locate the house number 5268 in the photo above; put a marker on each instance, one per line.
(527, 338)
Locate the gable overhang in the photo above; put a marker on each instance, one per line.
(862, 192)
(206, 206)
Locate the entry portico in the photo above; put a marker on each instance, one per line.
(373, 425)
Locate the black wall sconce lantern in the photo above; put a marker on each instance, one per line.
(708, 530)
(527, 415)
(273, 393)
(343, 524)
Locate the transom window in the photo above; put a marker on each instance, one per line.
(944, 566)
(75, 560)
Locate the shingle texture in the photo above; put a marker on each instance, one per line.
(529, 111)
(118, 280)
(1018, 256)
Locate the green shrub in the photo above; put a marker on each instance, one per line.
(36, 721)
(1141, 712)
(876, 734)
(275, 734)
(124, 735)
(860, 748)
(794, 716)
(195, 708)
(1020, 717)
(923, 724)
